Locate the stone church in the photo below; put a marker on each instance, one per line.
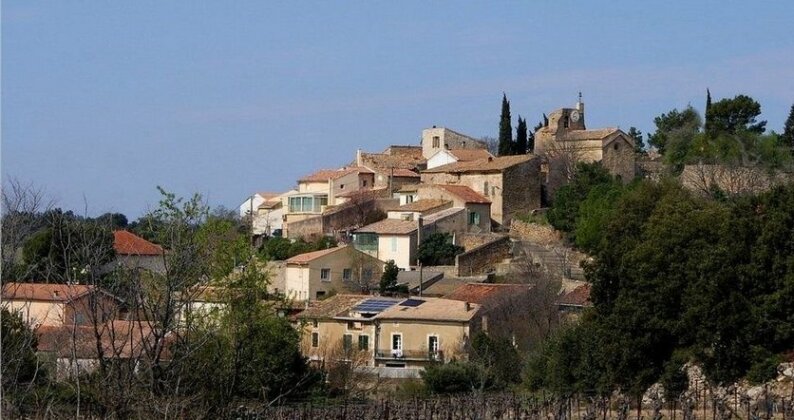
(565, 140)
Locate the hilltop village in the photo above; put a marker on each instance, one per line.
(458, 263)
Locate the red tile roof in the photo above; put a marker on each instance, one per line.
(128, 243)
(328, 174)
(389, 227)
(425, 205)
(45, 291)
(579, 296)
(118, 339)
(464, 155)
(405, 173)
(465, 193)
(484, 293)
(310, 256)
(496, 164)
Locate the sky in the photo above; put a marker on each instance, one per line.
(104, 101)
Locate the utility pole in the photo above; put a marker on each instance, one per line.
(419, 263)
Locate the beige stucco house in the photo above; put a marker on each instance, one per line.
(511, 183)
(387, 332)
(60, 304)
(317, 274)
(318, 190)
(398, 238)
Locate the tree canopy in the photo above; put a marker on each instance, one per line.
(675, 278)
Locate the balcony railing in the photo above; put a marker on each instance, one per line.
(409, 355)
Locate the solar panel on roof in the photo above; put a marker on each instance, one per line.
(412, 302)
(374, 305)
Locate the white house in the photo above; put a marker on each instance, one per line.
(252, 203)
(447, 156)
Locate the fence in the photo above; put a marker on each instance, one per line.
(512, 406)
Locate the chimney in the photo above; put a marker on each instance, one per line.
(468, 306)
(55, 293)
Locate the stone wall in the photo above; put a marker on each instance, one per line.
(535, 233)
(473, 240)
(619, 158)
(520, 190)
(309, 228)
(479, 259)
(731, 179)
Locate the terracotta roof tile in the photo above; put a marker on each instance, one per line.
(465, 193)
(119, 339)
(496, 164)
(404, 173)
(582, 135)
(389, 227)
(328, 174)
(424, 205)
(464, 155)
(484, 293)
(579, 296)
(331, 307)
(310, 256)
(128, 243)
(45, 291)
(434, 309)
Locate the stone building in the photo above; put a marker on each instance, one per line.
(565, 140)
(436, 139)
(511, 183)
(394, 167)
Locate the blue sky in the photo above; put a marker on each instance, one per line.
(103, 101)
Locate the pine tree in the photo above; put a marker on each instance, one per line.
(505, 129)
(521, 137)
(707, 126)
(788, 130)
(545, 120)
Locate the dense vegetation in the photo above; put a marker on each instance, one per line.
(676, 277)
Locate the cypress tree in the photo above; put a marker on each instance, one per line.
(788, 130)
(505, 129)
(521, 137)
(707, 126)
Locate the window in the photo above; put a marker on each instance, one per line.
(397, 342)
(485, 188)
(617, 146)
(315, 339)
(474, 218)
(341, 186)
(409, 198)
(347, 342)
(315, 324)
(325, 274)
(307, 204)
(432, 344)
(320, 295)
(364, 183)
(393, 244)
(436, 142)
(347, 274)
(565, 123)
(363, 342)
(366, 274)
